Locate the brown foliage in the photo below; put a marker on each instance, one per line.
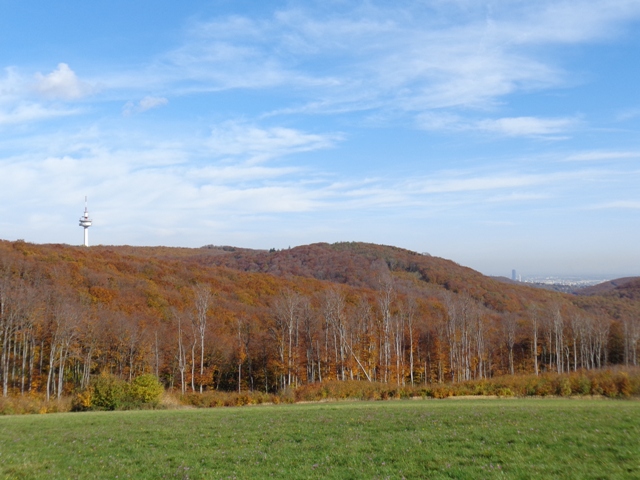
(441, 322)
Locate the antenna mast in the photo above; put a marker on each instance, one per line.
(85, 222)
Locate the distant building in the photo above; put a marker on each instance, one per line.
(514, 277)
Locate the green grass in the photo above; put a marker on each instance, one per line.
(481, 438)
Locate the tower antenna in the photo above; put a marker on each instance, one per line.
(85, 222)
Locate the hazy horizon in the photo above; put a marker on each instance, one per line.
(499, 135)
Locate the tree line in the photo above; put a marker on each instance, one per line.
(197, 333)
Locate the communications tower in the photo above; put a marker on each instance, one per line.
(85, 222)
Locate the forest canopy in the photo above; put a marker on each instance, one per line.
(227, 318)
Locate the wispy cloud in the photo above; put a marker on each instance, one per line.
(182, 198)
(527, 126)
(409, 58)
(600, 155)
(619, 204)
(419, 58)
(147, 103)
(256, 144)
(478, 183)
(507, 126)
(32, 112)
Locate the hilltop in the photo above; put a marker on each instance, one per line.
(627, 287)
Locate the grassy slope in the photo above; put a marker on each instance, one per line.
(530, 438)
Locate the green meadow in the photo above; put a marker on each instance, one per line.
(462, 438)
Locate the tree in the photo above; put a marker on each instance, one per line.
(203, 298)
(286, 312)
(534, 313)
(182, 351)
(63, 323)
(386, 296)
(509, 327)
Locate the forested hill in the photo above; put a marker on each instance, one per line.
(226, 317)
(627, 287)
(367, 265)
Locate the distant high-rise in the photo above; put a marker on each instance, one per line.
(514, 277)
(85, 222)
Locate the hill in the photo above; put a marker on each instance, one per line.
(233, 318)
(627, 287)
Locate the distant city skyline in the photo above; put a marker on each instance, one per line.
(499, 135)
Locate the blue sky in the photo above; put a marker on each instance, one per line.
(500, 134)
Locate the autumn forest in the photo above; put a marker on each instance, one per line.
(231, 319)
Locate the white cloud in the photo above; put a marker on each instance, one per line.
(527, 126)
(147, 103)
(257, 144)
(506, 126)
(11, 86)
(603, 155)
(476, 183)
(620, 204)
(30, 112)
(61, 83)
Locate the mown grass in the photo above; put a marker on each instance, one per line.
(469, 438)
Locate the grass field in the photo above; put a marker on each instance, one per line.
(470, 438)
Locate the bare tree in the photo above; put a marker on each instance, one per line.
(386, 296)
(410, 313)
(286, 311)
(558, 334)
(534, 315)
(203, 299)
(63, 325)
(509, 327)
(182, 351)
(334, 311)
(243, 332)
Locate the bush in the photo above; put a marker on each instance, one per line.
(145, 389)
(20, 405)
(27, 404)
(82, 401)
(108, 392)
(563, 387)
(608, 385)
(623, 384)
(215, 398)
(504, 392)
(580, 385)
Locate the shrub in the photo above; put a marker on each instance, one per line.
(504, 392)
(563, 387)
(108, 392)
(544, 387)
(608, 385)
(82, 401)
(623, 384)
(215, 398)
(580, 385)
(146, 389)
(482, 388)
(30, 404)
